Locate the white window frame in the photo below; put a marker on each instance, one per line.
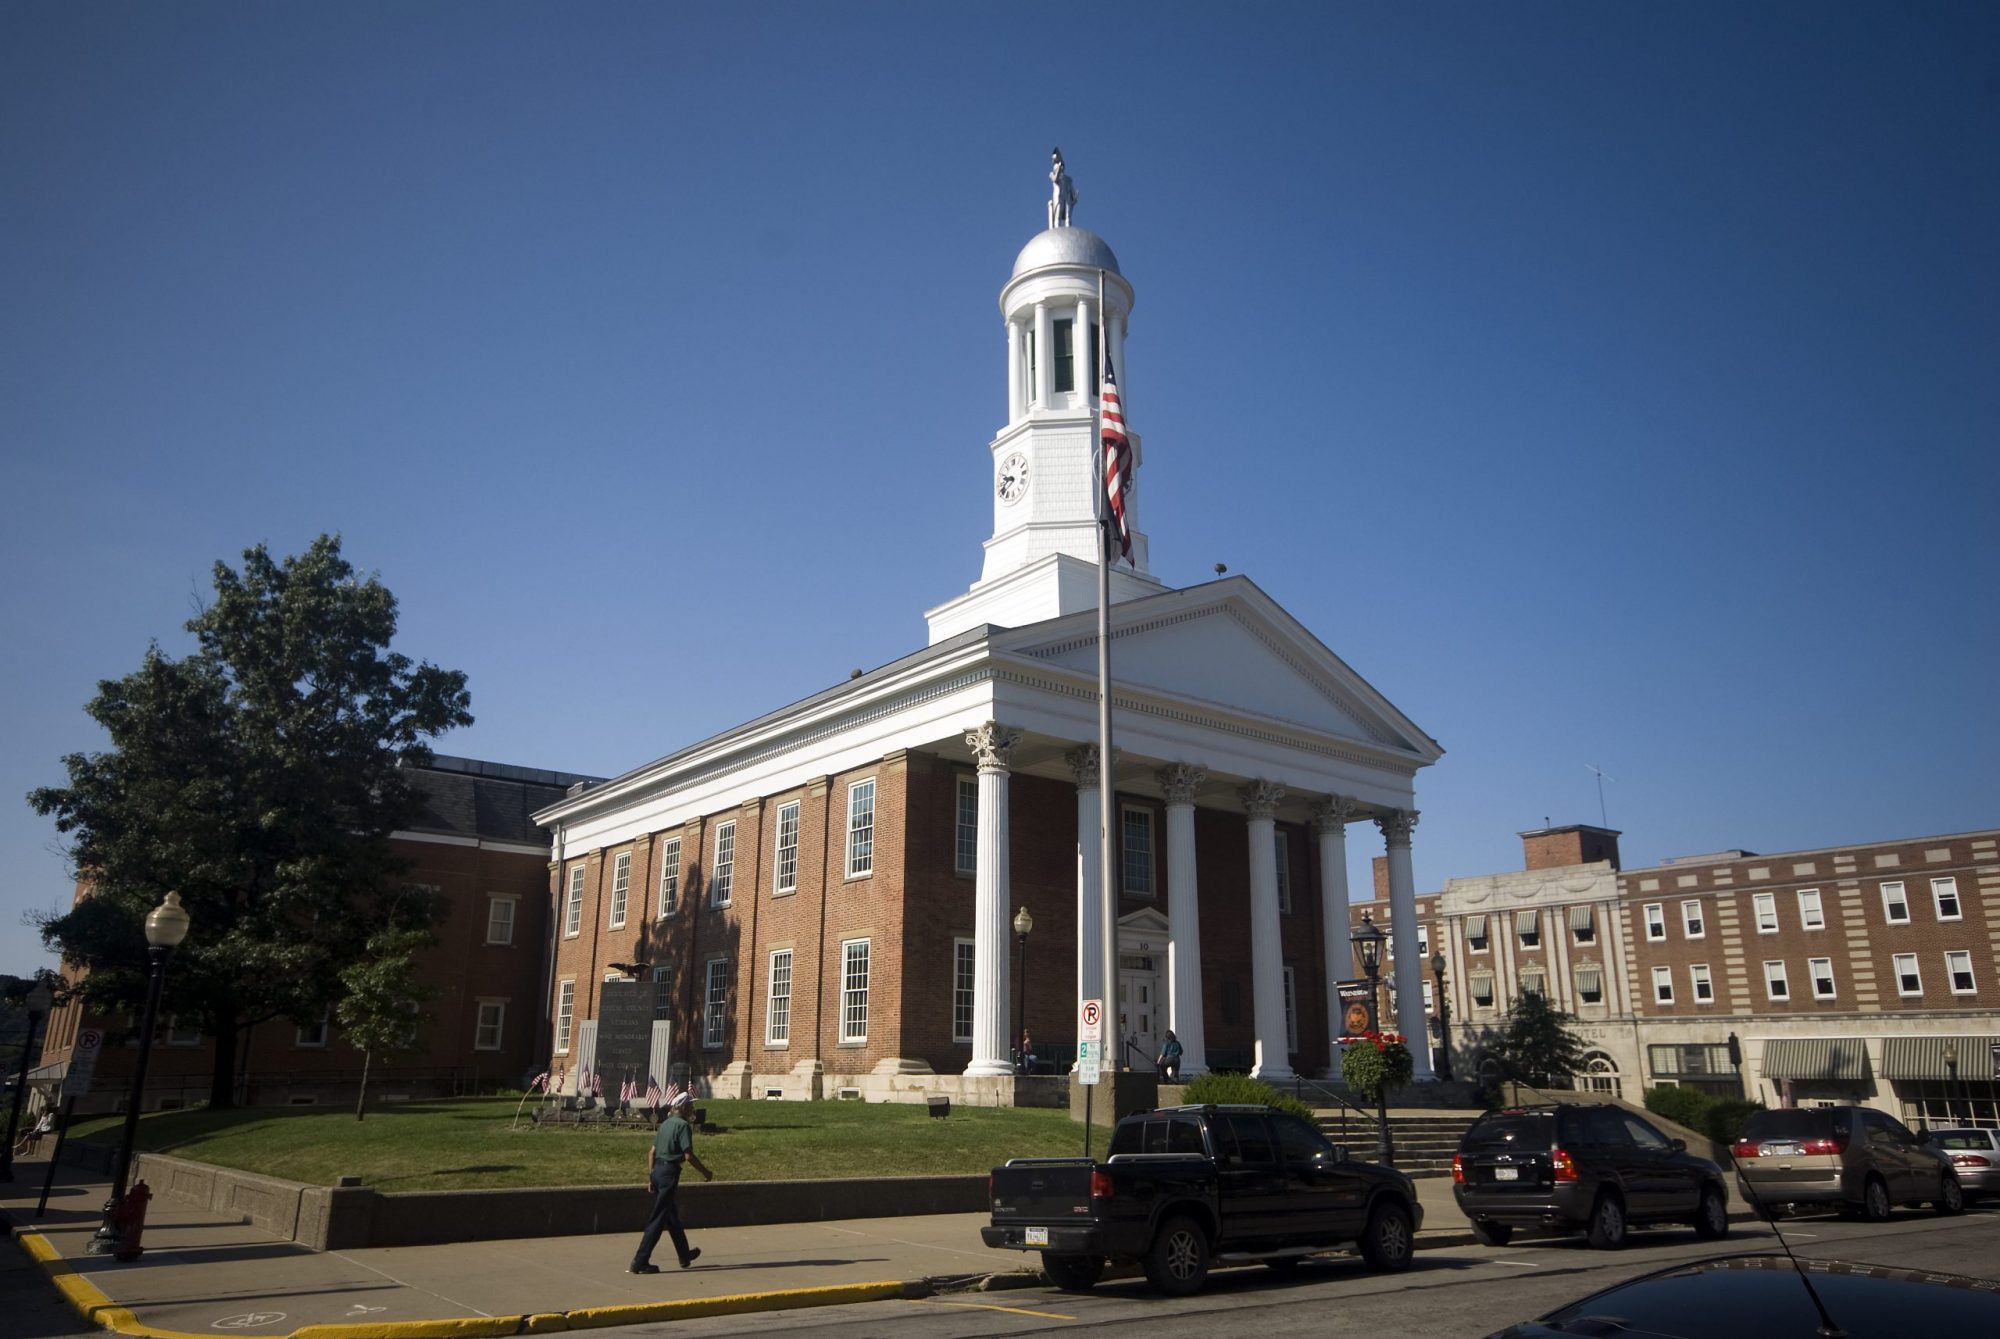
(1579, 934)
(1891, 900)
(1291, 1010)
(722, 869)
(621, 888)
(1423, 939)
(1701, 983)
(1764, 908)
(1484, 943)
(317, 1037)
(1947, 888)
(663, 991)
(1472, 982)
(965, 835)
(1430, 998)
(714, 1004)
(1663, 985)
(1694, 922)
(778, 999)
(785, 865)
(1896, 965)
(1951, 972)
(854, 989)
(964, 965)
(1135, 858)
(1584, 994)
(1283, 866)
(1812, 910)
(1777, 984)
(573, 908)
(500, 930)
(1535, 980)
(1656, 922)
(861, 828)
(670, 877)
(1523, 939)
(498, 1025)
(1814, 975)
(565, 1014)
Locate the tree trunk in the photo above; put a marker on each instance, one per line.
(361, 1098)
(222, 1081)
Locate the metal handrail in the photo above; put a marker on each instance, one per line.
(1339, 1099)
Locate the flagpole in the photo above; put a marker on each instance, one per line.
(1114, 1058)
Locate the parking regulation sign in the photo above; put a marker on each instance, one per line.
(1090, 1022)
(1087, 1061)
(82, 1062)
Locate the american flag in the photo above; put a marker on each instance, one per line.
(596, 1084)
(655, 1099)
(1117, 461)
(540, 1082)
(627, 1090)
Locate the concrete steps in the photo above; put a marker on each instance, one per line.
(1424, 1143)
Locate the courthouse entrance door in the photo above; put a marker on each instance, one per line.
(1139, 1020)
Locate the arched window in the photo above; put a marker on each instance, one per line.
(1600, 1074)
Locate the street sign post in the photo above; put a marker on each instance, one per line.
(82, 1063)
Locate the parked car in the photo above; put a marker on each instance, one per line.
(1581, 1167)
(1855, 1159)
(1186, 1187)
(1975, 1156)
(1759, 1296)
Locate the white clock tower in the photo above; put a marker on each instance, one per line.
(1041, 560)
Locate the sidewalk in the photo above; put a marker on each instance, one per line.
(206, 1274)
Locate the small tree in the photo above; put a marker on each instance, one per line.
(1537, 1045)
(384, 1000)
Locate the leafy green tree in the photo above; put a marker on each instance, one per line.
(383, 999)
(1536, 1044)
(260, 777)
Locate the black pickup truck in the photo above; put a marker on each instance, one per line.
(1186, 1187)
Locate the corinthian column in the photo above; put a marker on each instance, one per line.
(1330, 818)
(1410, 1020)
(1089, 875)
(1184, 918)
(992, 744)
(1267, 959)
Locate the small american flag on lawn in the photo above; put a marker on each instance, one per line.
(596, 1084)
(627, 1090)
(539, 1082)
(1117, 462)
(655, 1099)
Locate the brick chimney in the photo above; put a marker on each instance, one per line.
(1381, 878)
(1577, 844)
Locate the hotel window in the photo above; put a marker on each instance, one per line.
(860, 829)
(670, 877)
(1895, 905)
(963, 960)
(316, 1035)
(565, 1013)
(778, 1007)
(1656, 921)
(1481, 984)
(723, 872)
(1284, 852)
(1590, 984)
(1944, 893)
(714, 1002)
(787, 880)
(1767, 913)
(1423, 940)
(1663, 985)
(500, 920)
(621, 888)
(1821, 972)
(967, 856)
(1958, 967)
(1138, 851)
(1691, 922)
(1291, 1011)
(1582, 925)
(1430, 998)
(1475, 933)
(663, 991)
(1909, 980)
(573, 914)
(1704, 985)
(1528, 925)
(1812, 916)
(1776, 986)
(487, 1028)
(1534, 981)
(854, 990)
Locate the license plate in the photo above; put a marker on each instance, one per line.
(1035, 1236)
(1780, 1150)
(1506, 1173)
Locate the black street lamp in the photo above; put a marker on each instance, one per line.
(1951, 1081)
(1023, 922)
(1368, 944)
(1443, 1017)
(166, 925)
(39, 1000)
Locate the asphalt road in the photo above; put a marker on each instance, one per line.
(1461, 1293)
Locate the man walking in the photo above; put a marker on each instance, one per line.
(673, 1144)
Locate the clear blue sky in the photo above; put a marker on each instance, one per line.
(1609, 384)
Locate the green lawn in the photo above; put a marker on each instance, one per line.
(461, 1144)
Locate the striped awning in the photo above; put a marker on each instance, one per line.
(1579, 918)
(1923, 1057)
(1815, 1058)
(1590, 980)
(1524, 921)
(1475, 925)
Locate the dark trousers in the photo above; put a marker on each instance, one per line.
(666, 1215)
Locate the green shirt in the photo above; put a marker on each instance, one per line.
(673, 1141)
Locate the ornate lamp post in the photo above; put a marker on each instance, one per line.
(39, 1001)
(1023, 922)
(1443, 1017)
(1368, 945)
(166, 926)
(1950, 1080)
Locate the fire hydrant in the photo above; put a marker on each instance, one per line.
(130, 1219)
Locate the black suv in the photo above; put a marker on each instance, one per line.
(1581, 1167)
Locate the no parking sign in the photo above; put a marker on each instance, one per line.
(82, 1062)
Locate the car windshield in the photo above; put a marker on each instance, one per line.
(1518, 1129)
(1789, 1124)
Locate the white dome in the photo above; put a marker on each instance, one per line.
(1065, 246)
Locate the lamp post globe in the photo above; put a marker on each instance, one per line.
(1023, 923)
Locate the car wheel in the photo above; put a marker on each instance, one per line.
(1073, 1273)
(1492, 1234)
(1389, 1240)
(1875, 1201)
(1606, 1231)
(1951, 1196)
(1177, 1264)
(1711, 1216)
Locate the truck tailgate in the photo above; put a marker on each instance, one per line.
(1042, 1190)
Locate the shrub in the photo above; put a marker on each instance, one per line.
(1684, 1106)
(1241, 1089)
(1723, 1120)
(1375, 1063)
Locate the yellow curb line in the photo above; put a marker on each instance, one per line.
(89, 1301)
(469, 1327)
(788, 1299)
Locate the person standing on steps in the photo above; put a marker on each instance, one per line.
(673, 1144)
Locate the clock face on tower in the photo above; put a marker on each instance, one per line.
(1012, 482)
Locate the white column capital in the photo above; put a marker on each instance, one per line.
(1396, 826)
(1082, 762)
(1261, 798)
(993, 745)
(1180, 781)
(1334, 813)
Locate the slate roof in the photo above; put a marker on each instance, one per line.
(464, 797)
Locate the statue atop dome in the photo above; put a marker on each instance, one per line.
(1062, 198)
